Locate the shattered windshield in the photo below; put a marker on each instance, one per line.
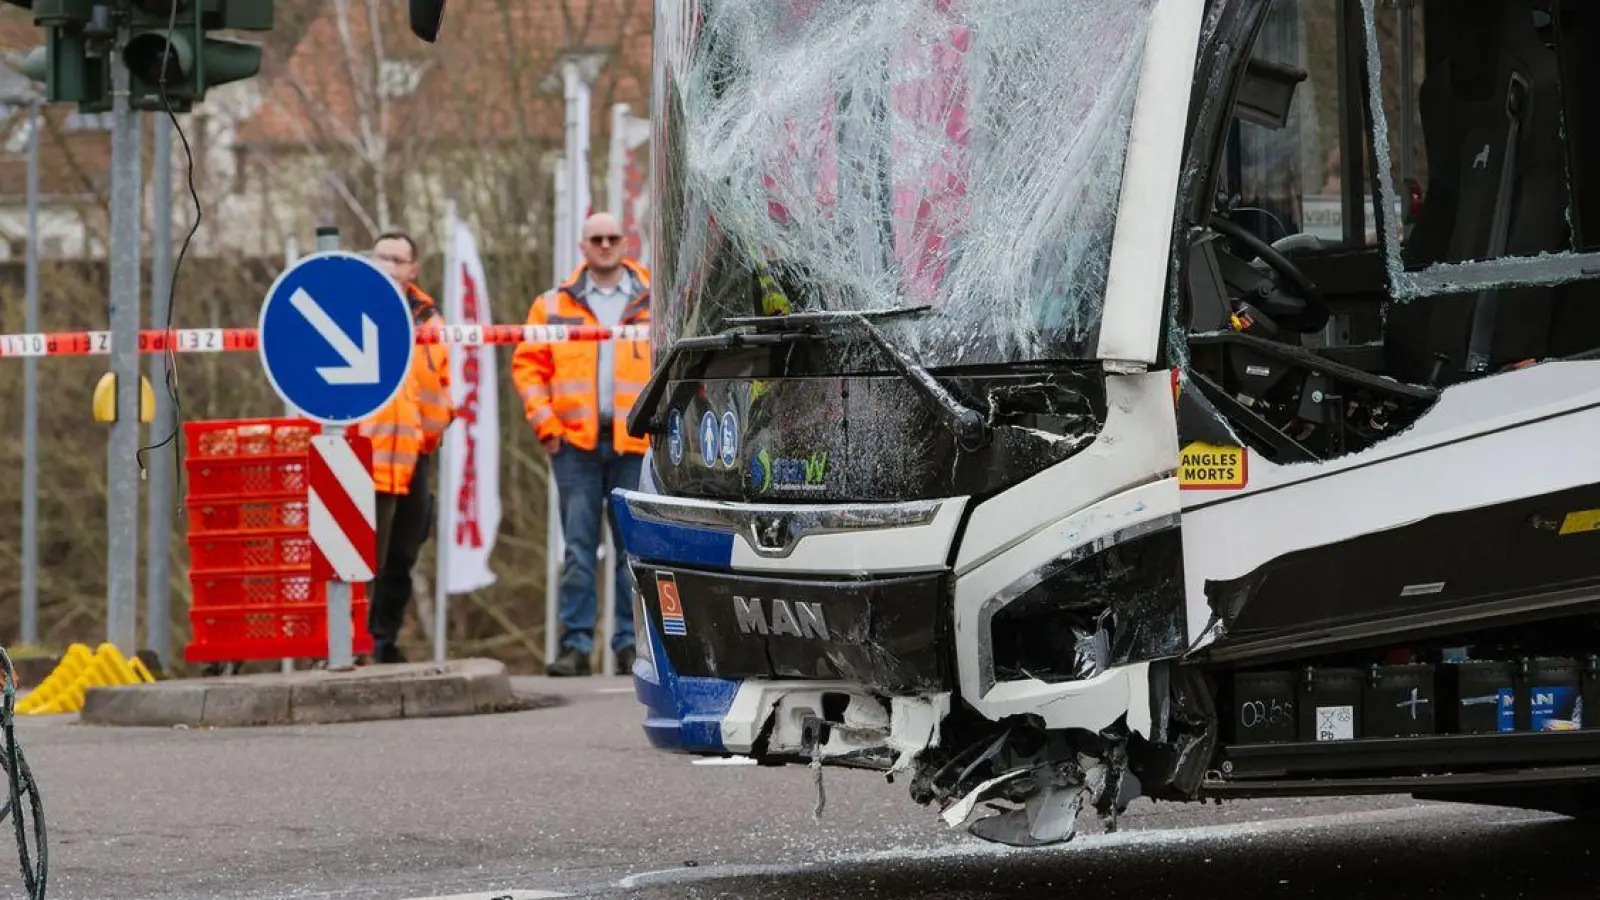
(843, 155)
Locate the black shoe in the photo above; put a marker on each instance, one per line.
(388, 654)
(625, 661)
(568, 664)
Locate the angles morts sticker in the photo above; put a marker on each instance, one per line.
(1212, 467)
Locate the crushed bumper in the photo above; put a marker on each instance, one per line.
(735, 636)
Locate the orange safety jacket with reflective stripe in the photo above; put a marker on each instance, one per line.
(559, 381)
(396, 433)
(430, 366)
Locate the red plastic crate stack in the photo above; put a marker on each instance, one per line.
(249, 546)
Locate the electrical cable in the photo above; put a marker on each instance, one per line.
(171, 381)
(22, 783)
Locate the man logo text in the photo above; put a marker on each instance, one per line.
(794, 618)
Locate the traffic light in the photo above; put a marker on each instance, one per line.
(72, 64)
(171, 60)
(69, 73)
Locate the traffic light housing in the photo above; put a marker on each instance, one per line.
(68, 73)
(73, 64)
(172, 61)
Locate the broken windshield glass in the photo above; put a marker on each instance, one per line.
(1490, 161)
(831, 155)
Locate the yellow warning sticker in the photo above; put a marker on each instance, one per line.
(1580, 522)
(1209, 467)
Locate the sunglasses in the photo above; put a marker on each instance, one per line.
(605, 240)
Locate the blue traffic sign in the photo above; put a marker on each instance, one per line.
(336, 337)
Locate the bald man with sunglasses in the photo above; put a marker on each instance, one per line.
(576, 395)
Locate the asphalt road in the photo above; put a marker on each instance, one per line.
(570, 801)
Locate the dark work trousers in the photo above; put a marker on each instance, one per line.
(407, 529)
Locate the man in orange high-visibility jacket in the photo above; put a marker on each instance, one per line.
(577, 396)
(412, 520)
(396, 435)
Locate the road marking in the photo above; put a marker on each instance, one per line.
(499, 895)
(626, 690)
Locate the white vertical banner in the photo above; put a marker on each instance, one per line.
(628, 179)
(469, 489)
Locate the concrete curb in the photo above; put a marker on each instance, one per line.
(405, 691)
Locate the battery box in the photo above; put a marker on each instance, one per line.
(1548, 696)
(1477, 696)
(1399, 701)
(1330, 703)
(1263, 707)
(1589, 703)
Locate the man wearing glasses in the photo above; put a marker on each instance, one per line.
(577, 395)
(402, 451)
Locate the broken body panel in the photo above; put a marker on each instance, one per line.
(994, 445)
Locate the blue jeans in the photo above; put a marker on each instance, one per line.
(584, 479)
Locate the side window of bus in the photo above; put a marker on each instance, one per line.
(1473, 99)
(1290, 181)
(1494, 154)
(1476, 95)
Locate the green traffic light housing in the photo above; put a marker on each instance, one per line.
(171, 59)
(172, 62)
(69, 72)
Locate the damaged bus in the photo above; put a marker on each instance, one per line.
(1058, 402)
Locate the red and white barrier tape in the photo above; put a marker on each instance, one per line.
(225, 340)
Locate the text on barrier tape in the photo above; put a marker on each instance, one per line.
(224, 340)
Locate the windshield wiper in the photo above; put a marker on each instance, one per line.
(822, 317)
(965, 423)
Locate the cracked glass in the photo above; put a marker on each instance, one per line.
(831, 155)
(1485, 120)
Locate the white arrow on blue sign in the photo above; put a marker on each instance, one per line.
(336, 337)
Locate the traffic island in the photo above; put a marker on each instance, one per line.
(315, 697)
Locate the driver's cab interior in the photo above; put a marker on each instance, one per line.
(1329, 301)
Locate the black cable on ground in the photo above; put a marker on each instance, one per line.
(22, 784)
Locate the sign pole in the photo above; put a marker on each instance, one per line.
(122, 478)
(30, 402)
(341, 635)
(158, 524)
(554, 546)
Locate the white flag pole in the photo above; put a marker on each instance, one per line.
(553, 546)
(443, 541)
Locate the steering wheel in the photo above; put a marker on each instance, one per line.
(1316, 307)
